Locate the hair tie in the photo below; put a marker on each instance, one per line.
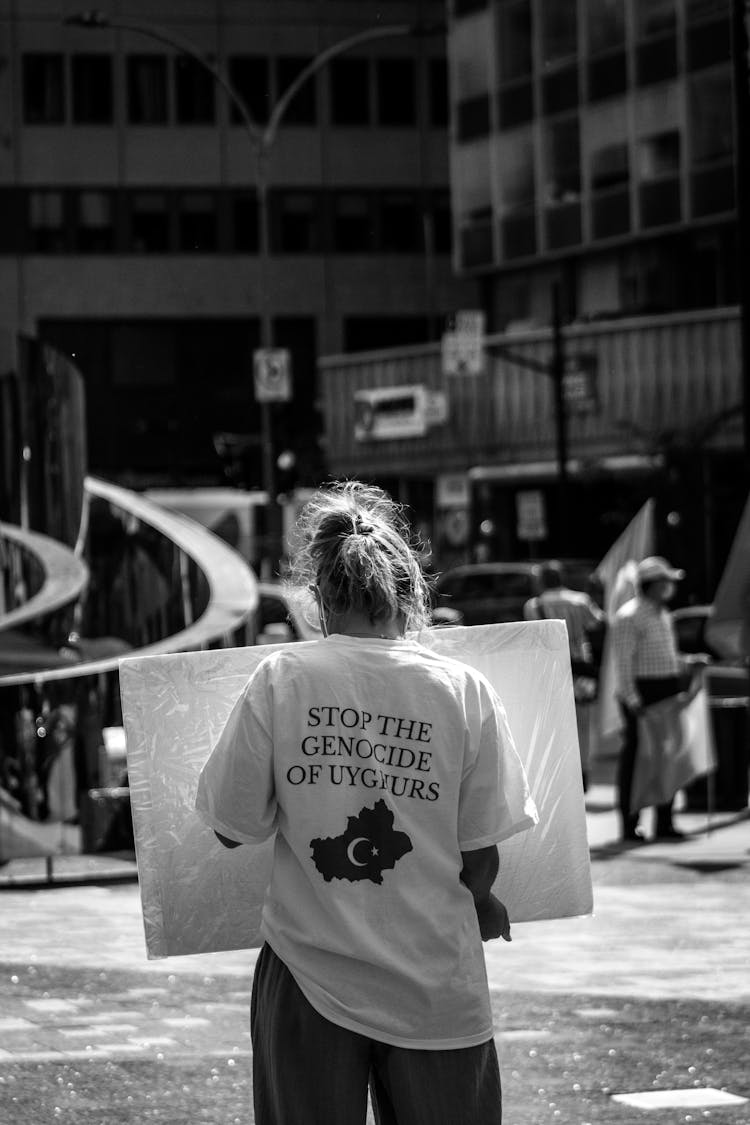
(362, 526)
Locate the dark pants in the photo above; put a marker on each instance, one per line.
(651, 690)
(309, 1071)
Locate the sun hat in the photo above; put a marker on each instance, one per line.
(655, 568)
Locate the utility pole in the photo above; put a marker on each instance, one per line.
(561, 420)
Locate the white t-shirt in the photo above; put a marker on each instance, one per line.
(376, 762)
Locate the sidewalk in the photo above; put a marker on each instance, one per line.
(647, 999)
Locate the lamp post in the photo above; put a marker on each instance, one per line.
(262, 140)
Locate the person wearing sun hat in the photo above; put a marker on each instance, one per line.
(648, 669)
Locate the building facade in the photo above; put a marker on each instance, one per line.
(594, 203)
(594, 145)
(129, 224)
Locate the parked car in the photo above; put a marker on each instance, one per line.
(728, 686)
(727, 675)
(485, 593)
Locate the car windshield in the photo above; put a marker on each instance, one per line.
(519, 585)
(488, 584)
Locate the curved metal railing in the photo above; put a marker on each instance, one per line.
(54, 757)
(62, 575)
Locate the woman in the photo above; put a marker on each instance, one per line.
(388, 775)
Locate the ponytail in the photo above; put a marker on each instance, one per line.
(352, 542)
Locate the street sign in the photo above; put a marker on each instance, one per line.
(452, 490)
(463, 349)
(272, 368)
(531, 515)
(579, 383)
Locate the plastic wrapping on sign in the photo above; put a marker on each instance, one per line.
(200, 897)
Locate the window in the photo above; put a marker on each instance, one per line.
(709, 43)
(560, 90)
(143, 355)
(441, 222)
(195, 92)
(466, 7)
(659, 155)
(475, 238)
(712, 190)
(353, 226)
(515, 105)
(654, 17)
(609, 167)
(563, 226)
(562, 161)
(250, 77)
(711, 115)
(298, 228)
(656, 61)
(707, 9)
(397, 95)
(473, 118)
(437, 78)
(147, 89)
(399, 226)
(518, 235)
(559, 31)
(605, 25)
(43, 89)
(245, 222)
(197, 222)
(607, 76)
(368, 333)
(515, 40)
(610, 179)
(658, 169)
(149, 222)
(303, 108)
(92, 89)
(660, 203)
(95, 229)
(517, 180)
(350, 91)
(46, 222)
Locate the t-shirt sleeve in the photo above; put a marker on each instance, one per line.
(236, 793)
(494, 801)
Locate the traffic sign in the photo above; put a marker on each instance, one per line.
(579, 383)
(531, 515)
(272, 368)
(463, 349)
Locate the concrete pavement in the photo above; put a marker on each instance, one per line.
(667, 948)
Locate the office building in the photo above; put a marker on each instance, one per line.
(129, 221)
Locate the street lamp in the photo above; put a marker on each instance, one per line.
(262, 142)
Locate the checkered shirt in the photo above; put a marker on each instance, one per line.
(643, 646)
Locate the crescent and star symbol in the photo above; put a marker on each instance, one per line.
(350, 851)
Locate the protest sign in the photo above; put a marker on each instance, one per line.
(200, 897)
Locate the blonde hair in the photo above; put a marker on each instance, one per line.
(352, 543)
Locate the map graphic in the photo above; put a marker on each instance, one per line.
(369, 846)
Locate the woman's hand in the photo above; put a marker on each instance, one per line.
(493, 919)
